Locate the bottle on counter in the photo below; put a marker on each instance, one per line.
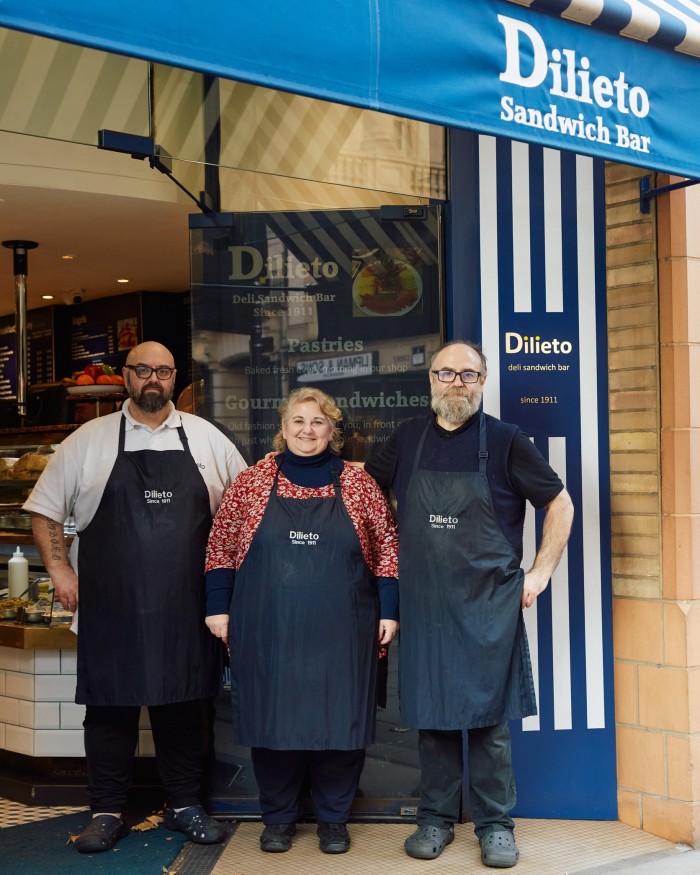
(17, 574)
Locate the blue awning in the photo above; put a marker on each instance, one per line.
(673, 24)
(618, 79)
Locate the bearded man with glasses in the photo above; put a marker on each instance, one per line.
(461, 480)
(143, 485)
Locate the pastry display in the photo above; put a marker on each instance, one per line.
(29, 466)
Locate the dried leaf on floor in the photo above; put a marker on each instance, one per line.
(153, 821)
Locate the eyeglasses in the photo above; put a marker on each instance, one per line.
(143, 372)
(447, 376)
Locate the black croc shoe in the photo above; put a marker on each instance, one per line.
(101, 834)
(428, 842)
(277, 837)
(498, 849)
(196, 824)
(333, 838)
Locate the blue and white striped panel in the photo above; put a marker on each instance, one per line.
(671, 23)
(517, 263)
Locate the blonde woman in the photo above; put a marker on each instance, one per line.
(301, 584)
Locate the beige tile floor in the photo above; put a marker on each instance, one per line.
(548, 847)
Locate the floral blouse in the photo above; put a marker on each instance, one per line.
(244, 503)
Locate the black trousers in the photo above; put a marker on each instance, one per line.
(180, 740)
(282, 775)
(491, 780)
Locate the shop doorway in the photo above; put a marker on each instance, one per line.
(351, 302)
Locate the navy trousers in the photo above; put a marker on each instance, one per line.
(332, 776)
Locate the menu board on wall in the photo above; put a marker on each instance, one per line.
(64, 339)
(8, 349)
(349, 301)
(104, 330)
(43, 362)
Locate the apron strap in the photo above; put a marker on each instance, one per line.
(335, 479)
(122, 434)
(183, 438)
(483, 452)
(420, 446)
(278, 462)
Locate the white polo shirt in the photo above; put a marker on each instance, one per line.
(74, 480)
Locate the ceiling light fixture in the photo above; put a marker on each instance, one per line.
(47, 297)
(68, 257)
(122, 281)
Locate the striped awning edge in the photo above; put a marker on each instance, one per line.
(673, 24)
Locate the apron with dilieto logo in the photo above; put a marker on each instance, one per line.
(142, 639)
(304, 623)
(463, 656)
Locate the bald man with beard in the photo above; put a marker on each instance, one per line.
(461, 480)
(143, 485)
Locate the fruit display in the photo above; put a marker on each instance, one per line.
(95, 374)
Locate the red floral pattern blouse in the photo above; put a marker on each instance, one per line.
(244, 502)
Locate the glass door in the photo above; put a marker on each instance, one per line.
(348, 301)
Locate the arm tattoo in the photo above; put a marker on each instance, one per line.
(55, 539)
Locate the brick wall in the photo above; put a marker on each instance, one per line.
(656, 622)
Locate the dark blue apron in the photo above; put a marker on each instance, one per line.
(463, 656)
(142, 639)
(304, 624)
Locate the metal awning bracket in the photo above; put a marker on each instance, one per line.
(145, 148)
(646, 193)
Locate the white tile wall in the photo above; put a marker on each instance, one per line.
(19, 739)
(47, 662)
(20, 686)
(69, 661)
(26, 713)
(54, 688)
(9, 658)
(38, 714)
(72, 715)
(25, 661)
(66, 743)
(9, 710)
(46, 715)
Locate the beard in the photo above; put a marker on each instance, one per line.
(150, 402)
(453, 406)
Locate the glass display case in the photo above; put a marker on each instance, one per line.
(24, 453)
